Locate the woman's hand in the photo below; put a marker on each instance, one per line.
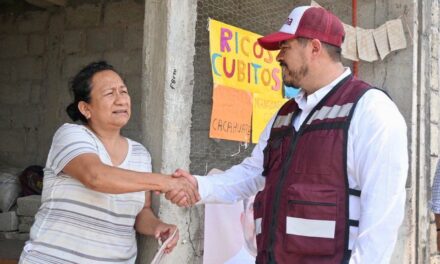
(179, 198)
(184, 187)
(163, 231)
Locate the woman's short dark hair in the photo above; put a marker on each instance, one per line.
(80, 87)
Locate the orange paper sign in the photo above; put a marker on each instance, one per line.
(231, 114)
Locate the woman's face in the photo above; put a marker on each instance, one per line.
(110, 104)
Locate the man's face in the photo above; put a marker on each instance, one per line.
(248, 225)
(293, 61)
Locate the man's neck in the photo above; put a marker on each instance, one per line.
(322, 77)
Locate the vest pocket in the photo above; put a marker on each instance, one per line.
(273, 154)
(311, 220)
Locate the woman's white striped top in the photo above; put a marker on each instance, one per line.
(78, 225)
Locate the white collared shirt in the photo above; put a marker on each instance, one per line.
(377, 164)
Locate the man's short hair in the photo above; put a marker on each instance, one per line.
(333, 51)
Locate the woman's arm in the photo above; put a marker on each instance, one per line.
(148, 224)
(90, 171)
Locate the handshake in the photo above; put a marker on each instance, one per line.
(182, 189)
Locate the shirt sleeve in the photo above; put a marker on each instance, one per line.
(435, 199)
(69, 142)
(380, 166)
(240, 181)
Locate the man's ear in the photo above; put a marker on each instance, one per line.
(316, 47)
(83, 107)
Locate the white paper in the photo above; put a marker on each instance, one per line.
(365, 44)
(381, 39)
(396, 35)
(349, 46)
(158, 258)
(223, 231)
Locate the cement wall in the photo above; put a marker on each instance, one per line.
(41, 50)
(167, 89)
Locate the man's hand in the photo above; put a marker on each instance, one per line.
(182, 189)
(178, 197)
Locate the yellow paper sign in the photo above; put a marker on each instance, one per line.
(231, 114)
(263, 110)
(238, 61)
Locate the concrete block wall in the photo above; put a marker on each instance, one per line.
(41, 50)
(16, 224)
(8, 221)
(22, 45)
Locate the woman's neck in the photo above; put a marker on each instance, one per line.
(108, 137)
(115, 145)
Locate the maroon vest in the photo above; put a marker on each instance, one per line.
(301, 214)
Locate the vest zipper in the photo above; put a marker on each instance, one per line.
(272, 233)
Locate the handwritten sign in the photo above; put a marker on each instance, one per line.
(263, 110)
(231, 114)
(239, 62)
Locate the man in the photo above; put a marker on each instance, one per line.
(331, 178)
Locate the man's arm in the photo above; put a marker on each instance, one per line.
(237, 183)
(379, 166)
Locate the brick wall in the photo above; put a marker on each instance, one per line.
(41, 50)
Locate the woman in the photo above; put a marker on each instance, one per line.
(96, 191)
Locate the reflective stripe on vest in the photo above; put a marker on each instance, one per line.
(258, 226)
(331, 112)
(283, 120)
(310, 228)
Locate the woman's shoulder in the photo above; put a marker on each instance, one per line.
(137, 148)
(71, 130)
(66, 127)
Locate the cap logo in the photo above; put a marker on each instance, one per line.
(289, 21)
